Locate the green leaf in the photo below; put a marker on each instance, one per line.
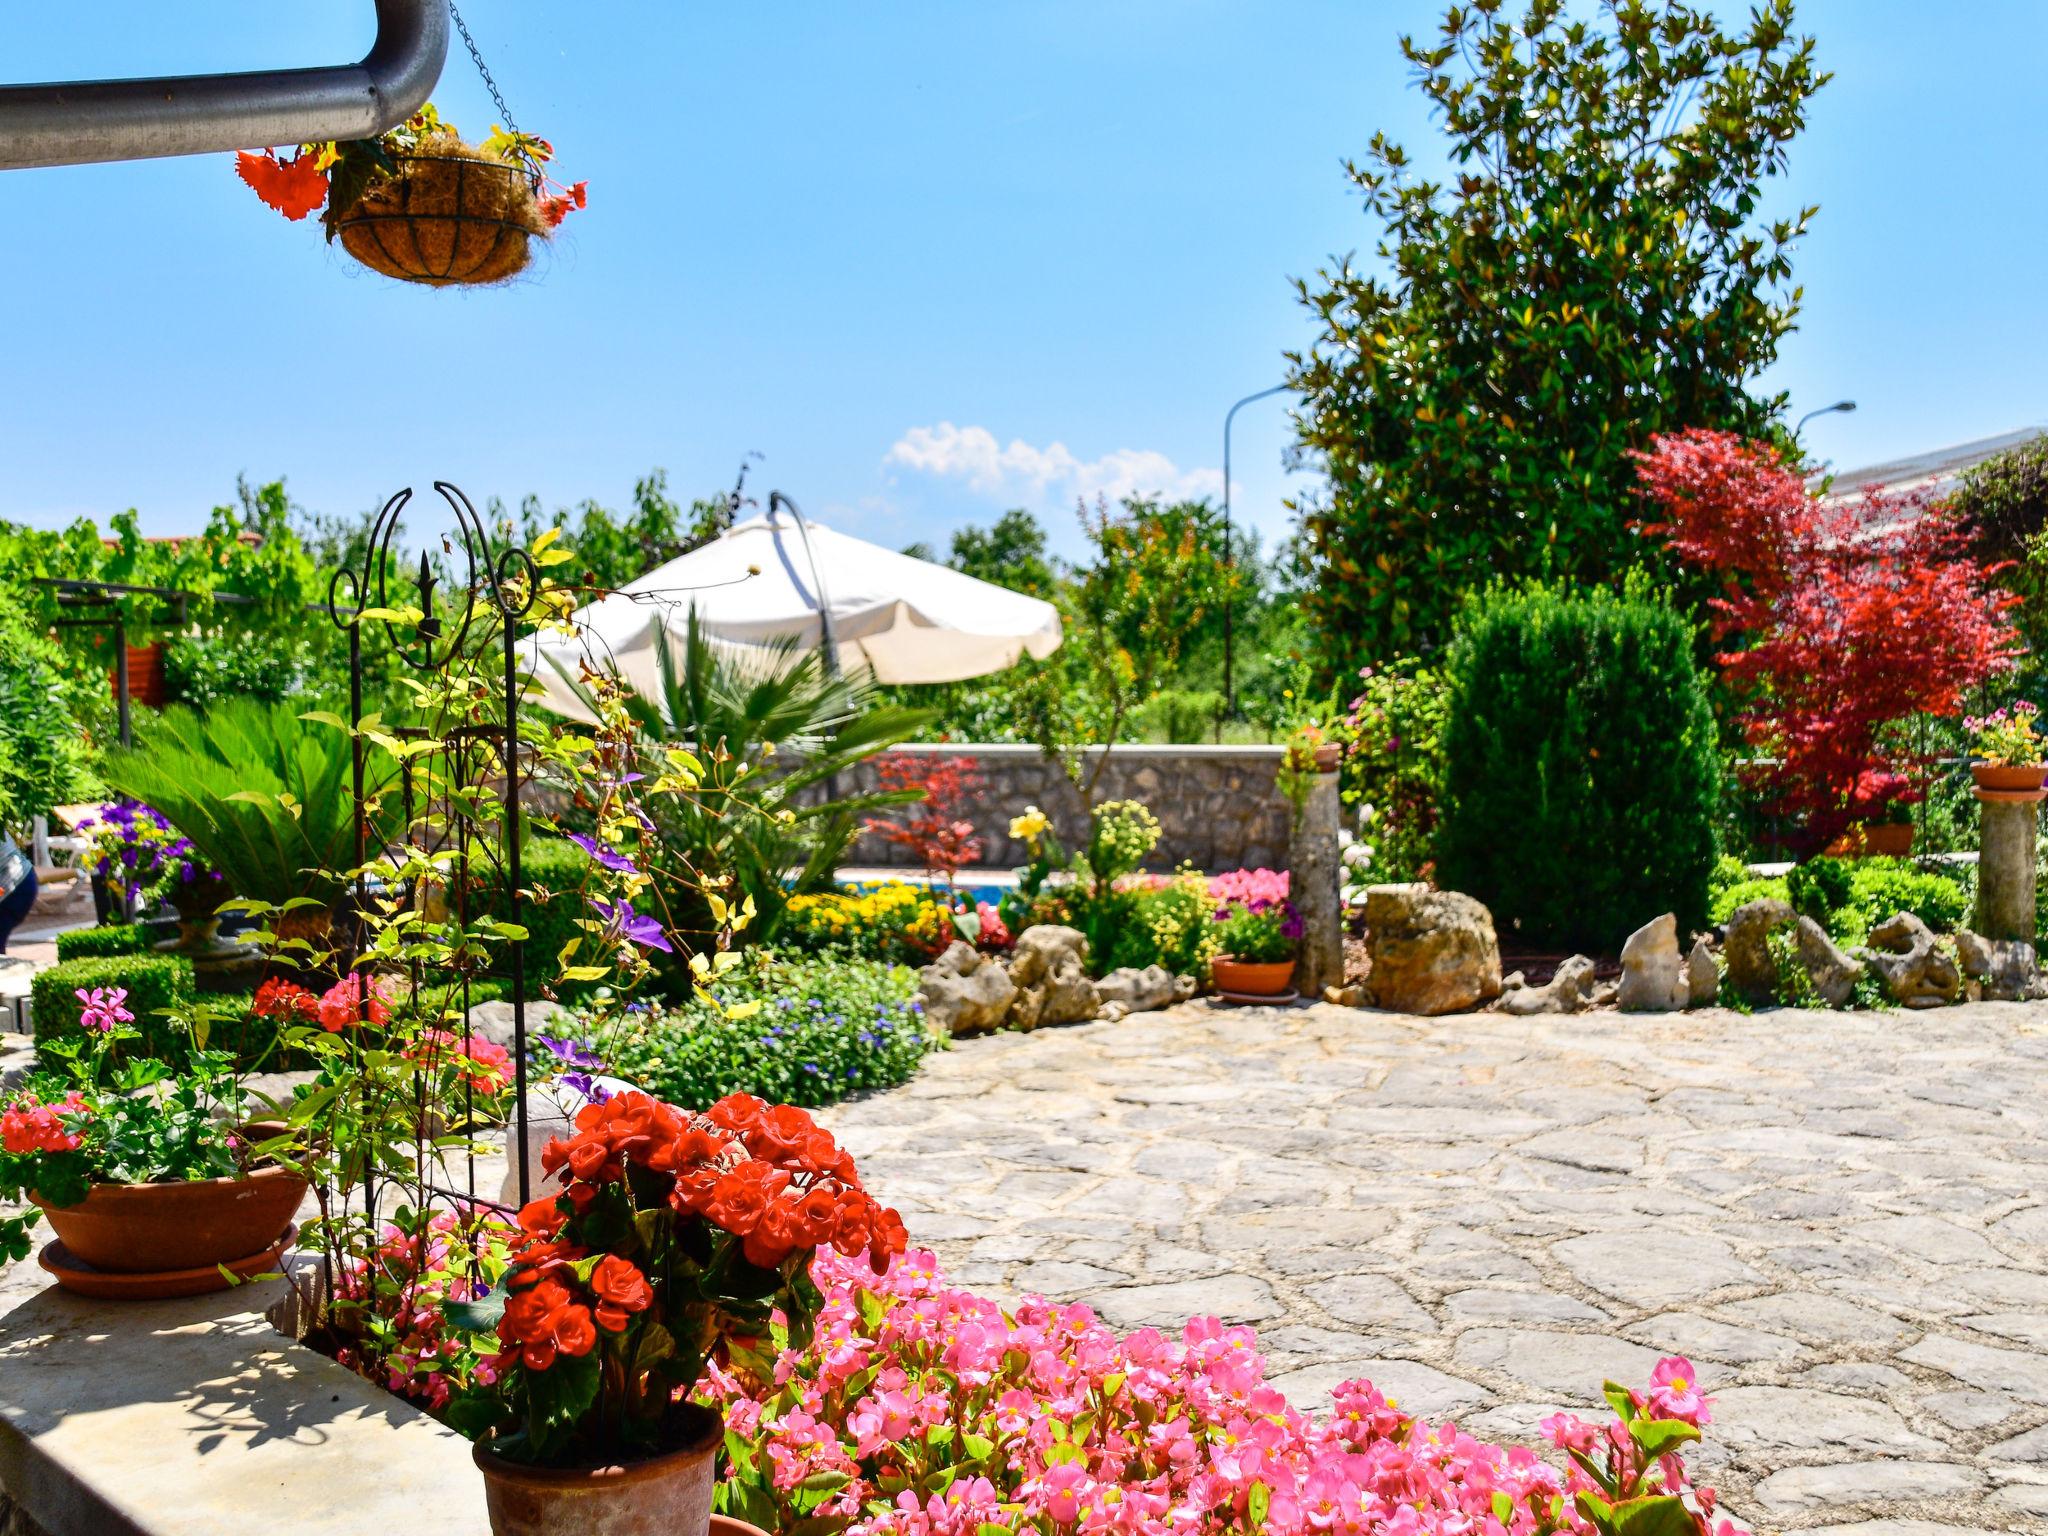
(479, 1316)
(1662, 1515)
(561, 1395)
(1657, 1436)
(1258, 1503)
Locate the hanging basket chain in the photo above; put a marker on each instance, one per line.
(476, 57)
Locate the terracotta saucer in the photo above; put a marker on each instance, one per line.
(1269, 999)
(80, 1278)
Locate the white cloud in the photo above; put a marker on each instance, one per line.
(1023, 472)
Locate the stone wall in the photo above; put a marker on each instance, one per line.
(1218, 807)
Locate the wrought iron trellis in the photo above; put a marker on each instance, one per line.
(472, 757)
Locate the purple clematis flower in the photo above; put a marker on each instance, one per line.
(610, 858)
(633, 927)
(570, 1053)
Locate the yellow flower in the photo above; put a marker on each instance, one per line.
(1029, 827)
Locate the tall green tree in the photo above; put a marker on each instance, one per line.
(1595, 267)
(1011, 552)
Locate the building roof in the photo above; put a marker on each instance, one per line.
(1935, 471)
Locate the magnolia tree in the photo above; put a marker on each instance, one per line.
(1839, 617)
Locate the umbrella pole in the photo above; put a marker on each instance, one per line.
(828, 649)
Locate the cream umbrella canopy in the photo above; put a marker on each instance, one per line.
(781, 577)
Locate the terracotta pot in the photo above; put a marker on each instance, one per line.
(725, 1525)
(1261, 978)
(665, 1495)
(147, 1228)
(2009, 776)
(1888, 840)
(1329, 757)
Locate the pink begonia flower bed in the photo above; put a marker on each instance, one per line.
(919, 1409)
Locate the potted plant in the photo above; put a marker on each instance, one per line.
(2008, 747)
(150, 1178)
(1880, 808)
(673, 1241)
(419, 203)
(1257, 955)
(261, 795)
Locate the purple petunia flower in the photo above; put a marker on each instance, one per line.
(633, 927)
(610, 858)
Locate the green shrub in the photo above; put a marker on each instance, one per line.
(558, 867)
(827, 1027)
(154, 983)
(1743, 892)
(1581, 772)
(1172, 924)
(1819, 888)
(43, 760)
(203, 670)
(1879, 888)
(113, 939)
(1396, 765)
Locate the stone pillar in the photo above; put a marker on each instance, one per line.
(1314, 874)
(2005, 863)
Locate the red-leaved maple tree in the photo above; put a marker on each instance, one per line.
(933, 829)
(1844, 616)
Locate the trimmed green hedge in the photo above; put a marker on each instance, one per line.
(557, 865)
(1581, 768)
(154, 982)
(113, 939)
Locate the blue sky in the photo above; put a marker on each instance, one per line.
(930, 260)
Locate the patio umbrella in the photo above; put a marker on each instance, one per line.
(782, 577)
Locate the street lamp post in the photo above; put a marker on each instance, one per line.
(1844, 406)
(1230, 550)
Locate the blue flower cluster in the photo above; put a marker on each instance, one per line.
(824, 1027)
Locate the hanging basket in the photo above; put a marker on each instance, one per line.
(447, 215)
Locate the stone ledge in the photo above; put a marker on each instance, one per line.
(194, 1417)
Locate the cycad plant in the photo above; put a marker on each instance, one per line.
(265, 797)
(775, 730)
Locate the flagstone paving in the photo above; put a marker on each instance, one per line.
(1842, 1218)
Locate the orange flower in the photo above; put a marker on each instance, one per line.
(293, 187)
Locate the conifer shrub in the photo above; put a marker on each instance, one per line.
(1581, 771)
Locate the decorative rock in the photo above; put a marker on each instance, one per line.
(1568, 991)
(1134, 991)
(1702, 975)
(1834, 974)
(1652, 973)
(1432, 951)
(1049, 969)
(1907, 957)
(1350, 995)
(2004, 970)
(492, 1021)
(966, 992)
(1605, 995)
(1751, 969)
